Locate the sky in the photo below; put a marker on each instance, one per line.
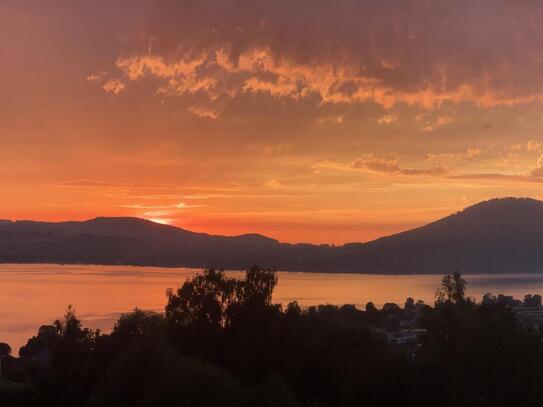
(307, 120)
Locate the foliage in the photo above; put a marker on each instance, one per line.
(223, 342)
(5, 350)
(453, 288)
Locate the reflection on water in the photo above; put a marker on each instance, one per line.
(32, 295)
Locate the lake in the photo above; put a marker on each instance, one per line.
(33, 295)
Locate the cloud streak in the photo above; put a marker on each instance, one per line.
(380, 165)
(390, 166)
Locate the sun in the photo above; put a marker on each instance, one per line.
(162, 221)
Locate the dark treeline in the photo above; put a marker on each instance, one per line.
(222, 342)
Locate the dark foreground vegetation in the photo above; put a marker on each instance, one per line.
(222, 342)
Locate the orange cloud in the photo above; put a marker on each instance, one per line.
(258, 72)
(204, 112)
(380, 165)
(387, 119)
(347, 51)
(93, 77)
(114, 86)
(468, 154)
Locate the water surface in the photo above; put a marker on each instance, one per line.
(33, 295)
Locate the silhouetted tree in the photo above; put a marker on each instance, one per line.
(64, 372)
(257, 287)
(370, 307)
(453, 288)
(293, 310)
(202, 299)
(135, 324)
(488, 299)
(150, 372)
(391, 309)
(223, 342)
(532, 300)
(213, 299)
(277, 392)
(5, 350)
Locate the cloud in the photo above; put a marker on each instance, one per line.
(378, 164)
(435, 171)
(387, 119)
(114, 86)
(254, 72)
(139, 66)
(97, 183)
(88, 183)
(440, 121)
(518, 155)
(203, 112)
(273, 183)
(181, 205)
(533, 145)
(337, 119)
(346, 51)
(499, 177)
(538, 170)
(257, 71)
(382, 165)
(468, 154)
(94, 77)
(391, 166)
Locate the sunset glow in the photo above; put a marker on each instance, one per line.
(162, 221)
(346, 121)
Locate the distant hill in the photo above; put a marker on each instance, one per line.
(500, 235)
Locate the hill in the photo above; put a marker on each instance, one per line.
(500, 235)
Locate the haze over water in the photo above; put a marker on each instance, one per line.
(34, 295)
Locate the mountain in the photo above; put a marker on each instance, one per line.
(500, 235)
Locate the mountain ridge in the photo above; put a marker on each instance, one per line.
(498, 235)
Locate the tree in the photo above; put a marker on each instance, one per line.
(203, 299)
(293, 309)
(453, 288)
(532, 300)
(48, 337)
(136, 323)
(391, 309)
(370, 307)
(150, 372)
(212, 298)
(65, 349)
(5, 350)
(257, 288)
(488, 299)
(252, 299)
(409, 304)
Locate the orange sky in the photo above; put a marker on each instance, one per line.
(306, 121)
